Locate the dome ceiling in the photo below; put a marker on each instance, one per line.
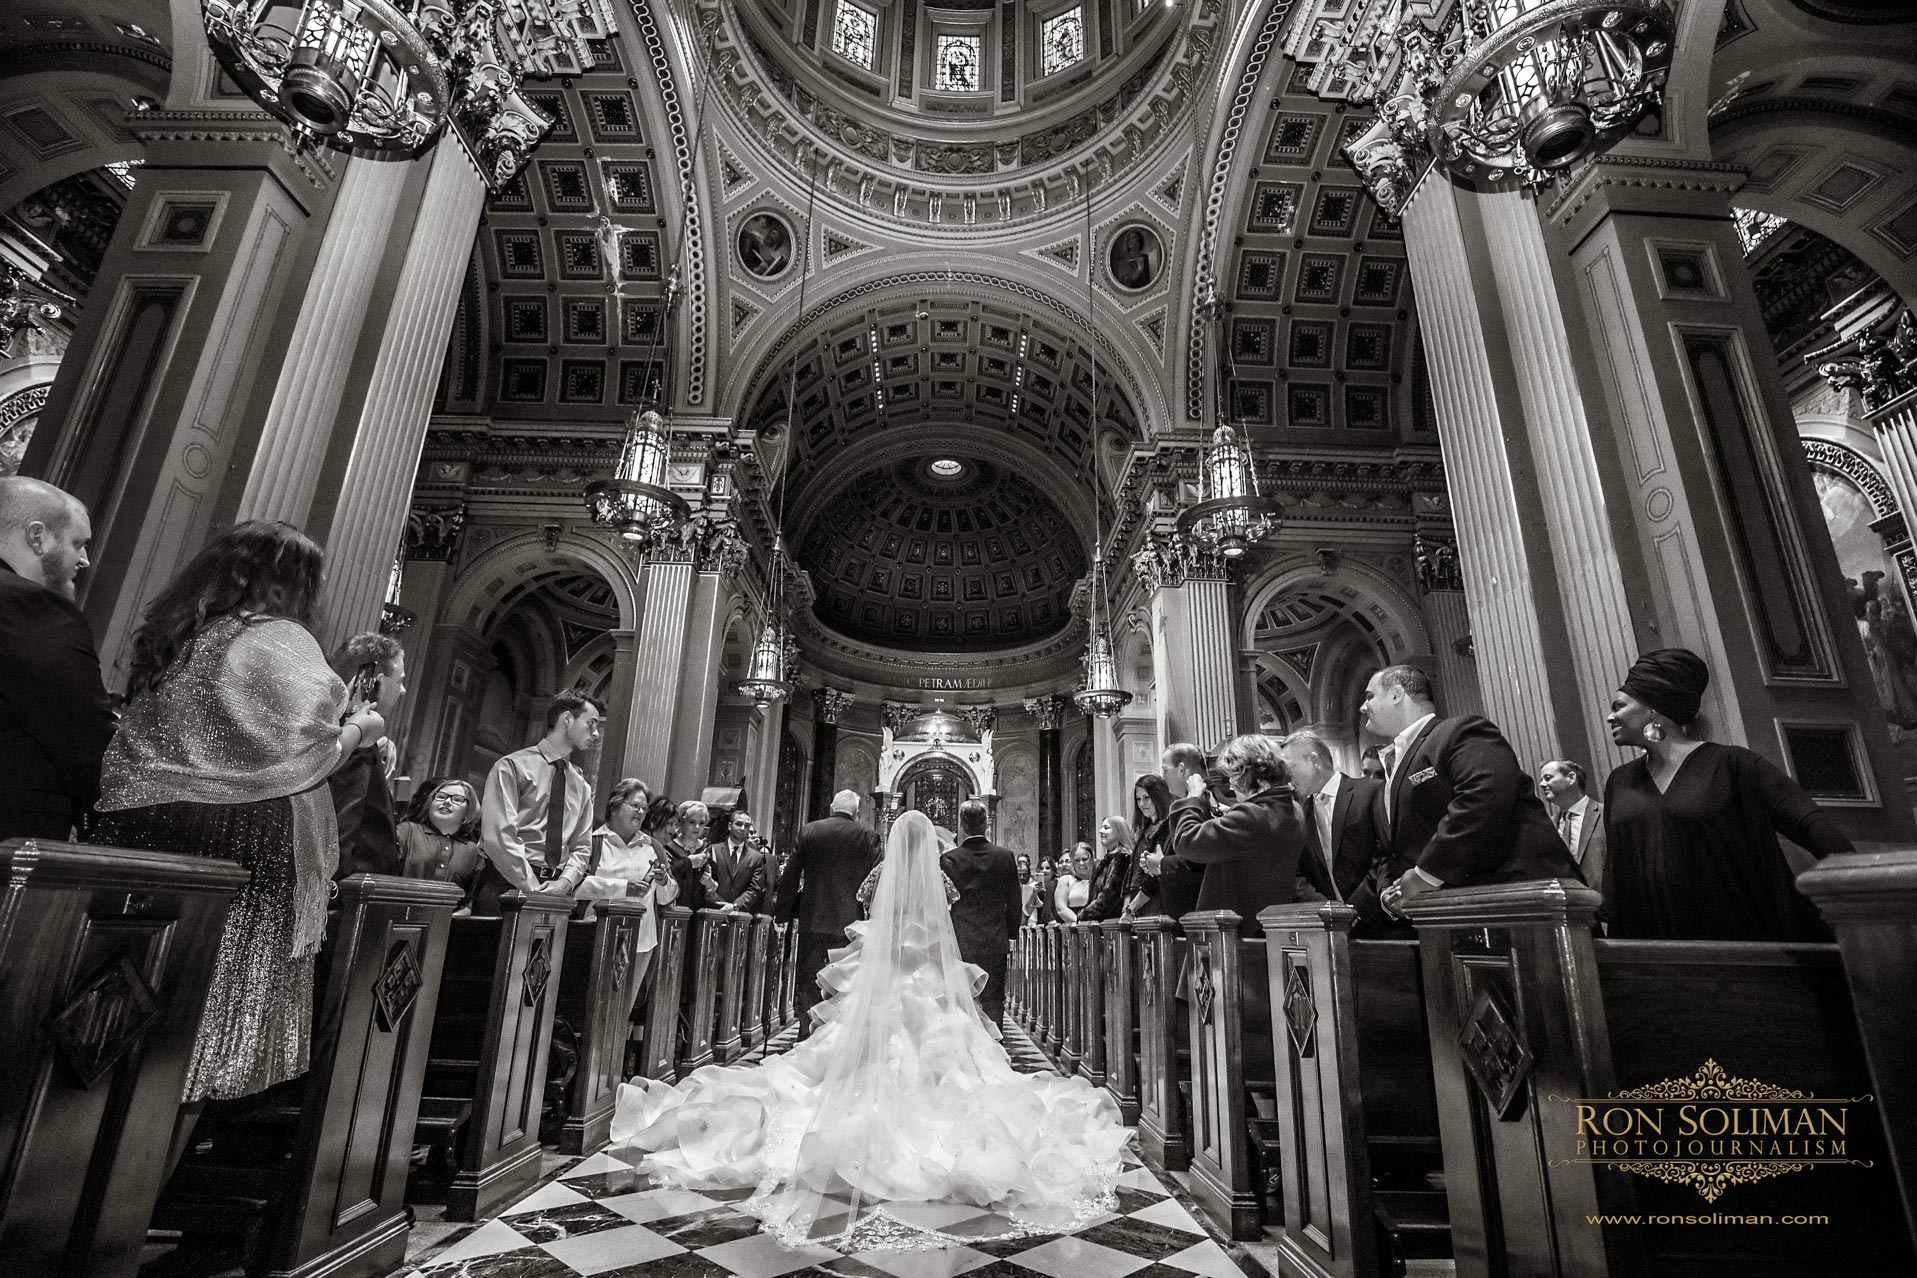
(942, 553)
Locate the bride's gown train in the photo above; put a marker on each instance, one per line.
(900, 1123)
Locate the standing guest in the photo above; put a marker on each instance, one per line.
(1341, 836)
(1074, 890)
(1027, 889)
(986, 914)
(1179, 882)
(1371, 765)
(535, 821)
(691, 859)
(819, 891)
(1580, 818)
(439, 839)
(740, 867)
(232, 723)
(1693, 825)
(1114, 870)
(374, 669)
(1047, 894)
(626, 864)
(1456, 807)
(54, 716)
(1151, 813)
(1250, 852)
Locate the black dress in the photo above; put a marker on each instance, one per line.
(1701, 860)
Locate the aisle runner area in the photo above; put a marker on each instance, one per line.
(594, 1219)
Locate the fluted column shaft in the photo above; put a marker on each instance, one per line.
(1199, 695)
(1051, 792)
(1447, 618)
(370, 509)
(619, 708)
(658, 652)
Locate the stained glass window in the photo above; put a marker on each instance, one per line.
(854, 31)
(1061, 41)
(958, 61)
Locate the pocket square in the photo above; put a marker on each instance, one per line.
(1423, 775)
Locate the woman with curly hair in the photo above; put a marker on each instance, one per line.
(232, 724)
(439, 837)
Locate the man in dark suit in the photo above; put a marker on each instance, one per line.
(1455, 806)
(1341, 835)
(1179, 881)
(987, 914)
(1580, 817)
(742, 872)
(819, 890)
(55, 720)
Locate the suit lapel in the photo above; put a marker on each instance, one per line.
(1592, 812)
(1405, 769)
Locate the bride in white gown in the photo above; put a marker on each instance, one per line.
(900, 1123)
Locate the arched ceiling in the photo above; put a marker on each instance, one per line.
(943, 553)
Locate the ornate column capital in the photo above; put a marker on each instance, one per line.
(1436, 561)
(709, 543)
(896, 714)
(1047, 711)
(983, 719)
(829, 703)
(434, 532)
(1166, 562)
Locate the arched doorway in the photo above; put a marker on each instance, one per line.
(936, 788)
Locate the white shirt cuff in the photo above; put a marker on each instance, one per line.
(1432, 879)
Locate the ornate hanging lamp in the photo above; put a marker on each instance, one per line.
(767, 674)
(1230, 513)
(1100, 697)
(1541, 84)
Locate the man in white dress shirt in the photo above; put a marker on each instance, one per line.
(1580, 817)
(535, 816)
(1341, 836)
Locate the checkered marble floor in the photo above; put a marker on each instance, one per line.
(592, 1221)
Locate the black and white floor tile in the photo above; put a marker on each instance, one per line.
(598, 1220)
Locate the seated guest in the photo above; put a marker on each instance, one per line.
(535, 819)
(1151, 812)
(54, 716)
(1455, 807)
(1113, 871)
(627, 864)
(373, 667)
(1074, 890)
(1580, 818)
(1692, 826)
(439, 839)
(232, 722)
(1250, 853)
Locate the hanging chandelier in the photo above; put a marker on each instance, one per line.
(767, 673)
(636, 500)
(1230, 513)
(1541, 84)
(1100, 697)
(379, 78)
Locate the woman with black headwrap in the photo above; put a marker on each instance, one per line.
(1693, 825)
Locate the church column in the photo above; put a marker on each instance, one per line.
(177, 351)
(1895, 421)
(827, 705)
(762, 766)
(360, 514)
(1707, 480)
(619, 698)
(1447, 619)
(659, 649)
(1192, 641)
(720, 556)
(1048, 713)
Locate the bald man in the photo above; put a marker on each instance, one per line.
(54, 717)
(819, 891)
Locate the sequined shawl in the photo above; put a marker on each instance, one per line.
(251, 713)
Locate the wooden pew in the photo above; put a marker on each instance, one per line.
(1161, 1111)
(311, 1174)
(1072, 1012)
(1528, 1015)
(1119, 966)
(735, 929)
(699, 996)
(1053, 1043)
(659, 1049)
(779, 953)
(1231, 1054)
(1354, 1097)
(1089, 938)
(1870, 901)
(1014, 971)
(595, 998)
(487, 1071)
(107, 954)
(1045, 972)
(1028, 977)
(757, 929)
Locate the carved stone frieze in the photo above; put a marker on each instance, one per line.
(829, 703)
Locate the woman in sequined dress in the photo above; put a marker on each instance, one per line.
(899, 1123)
(232, 724)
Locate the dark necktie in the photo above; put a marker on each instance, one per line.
(1564, 830)
(1314, 844)
(556, 817)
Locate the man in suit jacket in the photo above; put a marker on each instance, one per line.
(55, 720)
(1179, 881)
(1455, 804)
(743, 872)
(1252, 851)
(1580, 818)
(988, 911)
(819, 891)
(1344, 858)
